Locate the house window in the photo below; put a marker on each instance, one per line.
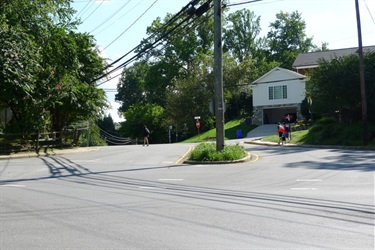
(277, 92)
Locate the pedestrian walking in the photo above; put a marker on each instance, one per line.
(281, 130)
(146, 134)
(286, 133)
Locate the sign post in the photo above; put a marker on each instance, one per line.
(170, 128)
(197, 124)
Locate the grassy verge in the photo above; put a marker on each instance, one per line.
(230, 132)
(207, 152)
(296, 137)
(329, 132)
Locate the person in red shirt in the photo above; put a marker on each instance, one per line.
(281, 130)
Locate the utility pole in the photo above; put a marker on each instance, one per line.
(362, 78)
(218, 76)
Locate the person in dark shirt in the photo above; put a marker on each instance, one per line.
(146, 134)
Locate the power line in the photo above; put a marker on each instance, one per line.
(118, 18)
(369, 12)
(111, 16)
(112, 139)
(93, 11)
(163, 28)
(151, 46)
(132, 24)
(241, 3)
(83, 8)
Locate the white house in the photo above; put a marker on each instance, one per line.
(278, 92)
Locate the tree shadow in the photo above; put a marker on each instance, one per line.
(345, 160)
(226, 200)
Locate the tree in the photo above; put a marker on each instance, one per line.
(241, 35)
(19, 66)
(335, 90)
(131, 86)
(47, 69)
(154, 76)
(150, 115)
(107, 124)
(287, 38)
(191, 98)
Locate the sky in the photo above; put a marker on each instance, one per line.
(118, 26)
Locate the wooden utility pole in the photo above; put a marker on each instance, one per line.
(218, 78)
(362, 78)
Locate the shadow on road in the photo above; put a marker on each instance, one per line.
(112, 181)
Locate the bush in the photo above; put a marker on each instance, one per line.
(207, 152)
(95, 139)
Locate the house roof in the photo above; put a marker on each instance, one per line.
(293, 76)
(311, 59)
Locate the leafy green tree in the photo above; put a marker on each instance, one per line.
(287, 38)
(47, 69)
(107, 124)
(150, 115)
(131, 86)
(19, 65)
(335, 89)
(155, 75)
(191, 98)
(241, 35)
(237, 76)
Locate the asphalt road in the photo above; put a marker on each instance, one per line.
(134, 197)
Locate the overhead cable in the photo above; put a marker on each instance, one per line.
(369, 12)
(149, 47)
(111, 16)
(151, 36)
(134, 58)
(132, 24)
(93, 11)
(110, 135)
(83, 11)
(241, 3)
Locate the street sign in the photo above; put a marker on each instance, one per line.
(197, 124)
(197, 117)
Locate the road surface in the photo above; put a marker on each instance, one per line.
(134, 197)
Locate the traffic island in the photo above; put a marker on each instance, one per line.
(245, 159)
(206, 153)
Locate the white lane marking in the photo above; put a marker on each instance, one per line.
(303, 188)
(308, 180)
(170, 179)
(12, 185)
(144, 187)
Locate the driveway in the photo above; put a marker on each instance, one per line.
(262, 131)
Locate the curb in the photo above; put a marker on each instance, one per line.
(274, 144)
(245, 159)
(51, 153)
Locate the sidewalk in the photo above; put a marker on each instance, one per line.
(49, 153)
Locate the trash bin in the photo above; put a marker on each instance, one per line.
(239, 133)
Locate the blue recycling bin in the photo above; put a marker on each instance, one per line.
(239, 133)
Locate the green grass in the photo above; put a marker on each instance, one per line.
(207, 152)
(296, 137)
(230, 132)
(329, 132)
